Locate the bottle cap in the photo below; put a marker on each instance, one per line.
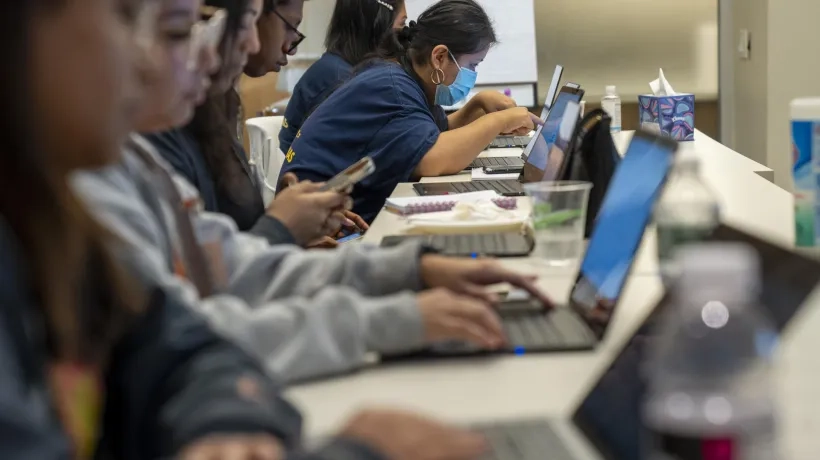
(611, 90)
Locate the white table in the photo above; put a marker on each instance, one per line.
(475, 390)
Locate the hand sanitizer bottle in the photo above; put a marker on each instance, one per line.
(611, 103)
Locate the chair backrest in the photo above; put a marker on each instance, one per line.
(263, 133)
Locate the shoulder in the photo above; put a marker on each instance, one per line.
(390, 78)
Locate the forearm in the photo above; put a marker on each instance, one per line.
(457, 148)
(472, 111)
(259, 273)
(332, 332)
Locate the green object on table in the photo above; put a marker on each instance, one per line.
(545, 219)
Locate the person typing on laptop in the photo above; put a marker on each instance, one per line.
(388, 110)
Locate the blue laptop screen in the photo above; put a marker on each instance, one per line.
(619, 228)
(553, 122)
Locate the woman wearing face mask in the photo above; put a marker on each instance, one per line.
(388, 112)
(356, 29)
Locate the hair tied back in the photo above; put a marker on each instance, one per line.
(408, 33)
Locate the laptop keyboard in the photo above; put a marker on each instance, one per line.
(560, 328)
(510, 141)
(500, 186)
(523, 440)
(496, 161)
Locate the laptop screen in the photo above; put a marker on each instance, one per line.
(609, 416)
(619, 228)
(556, 80)
(553, 121)
(544, 160)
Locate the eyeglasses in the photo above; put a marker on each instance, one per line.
(206, 34)
(300, 37)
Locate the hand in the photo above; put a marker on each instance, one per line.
(307, 212)
(405, 436)
(449, 316)
(493, 101)
(325, 242)
(234, 447)
(355, 221)
(470, 277)
(518, 121)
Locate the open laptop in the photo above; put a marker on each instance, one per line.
(536, 169)
(501, 142)
(615, 240)
(552, 122)
(607, 423)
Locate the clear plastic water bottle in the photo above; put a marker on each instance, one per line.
(688, 212)
(611, 103)
(710, 386)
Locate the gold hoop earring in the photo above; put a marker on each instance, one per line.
(437, 74)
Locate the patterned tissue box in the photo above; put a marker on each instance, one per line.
(674, 115)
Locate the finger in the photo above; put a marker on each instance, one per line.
(290, 179)
(536, 120)
(525, 282)
(466, 331)
(357, 220)
(462, 444)
(348, 203)
(327, 200)
(468, 445)
(323, 242)
(483, 317)
(479, 293)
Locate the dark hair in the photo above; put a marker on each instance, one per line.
(359, 26)
(235, 10)
(214, 122)
(84, 300)
(460, 25)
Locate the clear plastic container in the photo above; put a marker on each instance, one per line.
(559, 212)
(611, 103)
(688, 212)
(710, 386)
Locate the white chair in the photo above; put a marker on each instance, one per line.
(263, 137)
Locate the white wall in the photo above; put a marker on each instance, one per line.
(624, 42)
(784, 64)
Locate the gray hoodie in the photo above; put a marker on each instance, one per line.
(306, 314)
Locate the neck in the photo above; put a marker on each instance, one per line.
(425, 73)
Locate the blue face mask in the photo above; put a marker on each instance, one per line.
(455, 93)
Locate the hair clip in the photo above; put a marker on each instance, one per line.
(385, 4)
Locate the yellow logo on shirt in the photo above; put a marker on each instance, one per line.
(284, 122)
(290, 155)
(298, 134)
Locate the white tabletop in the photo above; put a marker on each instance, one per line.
(475, 390)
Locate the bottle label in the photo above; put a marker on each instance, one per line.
(672, 236)
(667, 446)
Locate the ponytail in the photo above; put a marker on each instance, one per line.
(460, 25)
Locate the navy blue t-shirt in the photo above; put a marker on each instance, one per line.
(324, 76)
(382, 113)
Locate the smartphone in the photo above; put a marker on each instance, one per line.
(351, 176)
(502, 169)
(351, 237)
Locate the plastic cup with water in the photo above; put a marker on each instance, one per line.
(559, 212)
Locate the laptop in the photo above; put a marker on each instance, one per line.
(552, 120)
(501, 142)
(607, 423)
(545, 161)
(615, 240)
